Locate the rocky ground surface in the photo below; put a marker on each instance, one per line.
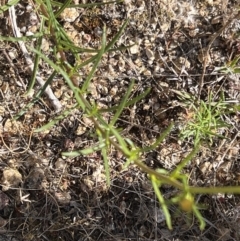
(44, 196)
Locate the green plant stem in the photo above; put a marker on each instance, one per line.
(214, 190)
(194, 190)
(186, 160)
(164, 178)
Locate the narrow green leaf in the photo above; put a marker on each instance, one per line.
(161, 201)
(120, 48)
(36, 60)
(105, 158)
(236, 70)
(84, 152)
(122, 104)
(121, 141)
(116, 37)
(96, 63)
(36, 98)
(56, 119)
(8, 5)
(70, 46)
(24, 38)
(159, 140)
(62, 8)
(185, 161)
(233, 63)
(199, 217)
(128, 103)
(64, 74)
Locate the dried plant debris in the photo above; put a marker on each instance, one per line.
(4, 200)
(11, 178)
(45, 196)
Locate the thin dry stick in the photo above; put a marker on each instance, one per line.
(55, 102)
(15, 152)
(208, 48)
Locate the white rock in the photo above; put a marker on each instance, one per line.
(69, 14)
(134, 49)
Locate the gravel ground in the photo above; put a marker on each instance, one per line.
(175, 46)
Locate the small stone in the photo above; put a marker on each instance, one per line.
(69, 14)
(113, 91)
(45, 161)
(204, 56)
(103, 90)
(13, 54)
(93, 90)
(216, 20)
(11, 178)
(89, 183)
(29, 33)
(2, 110)
(33, 19)
(60, 164)
(150, 54)
(63, 198)
(29, 8)
(182, 63)
(134, 49)
(45, 45)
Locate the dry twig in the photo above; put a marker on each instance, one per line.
(55, 102)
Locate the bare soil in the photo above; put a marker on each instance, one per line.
(178, 46)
